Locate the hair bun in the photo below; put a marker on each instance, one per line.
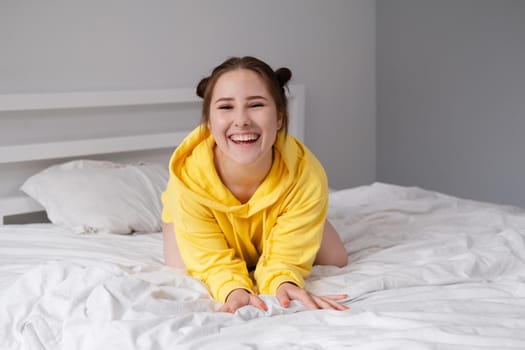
(283, 75)
(201, 87)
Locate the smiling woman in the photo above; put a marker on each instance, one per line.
(244, 195)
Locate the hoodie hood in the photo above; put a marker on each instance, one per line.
(192, 167)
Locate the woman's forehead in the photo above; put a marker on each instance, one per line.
(241, 82)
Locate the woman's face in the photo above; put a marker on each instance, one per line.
(243, 117)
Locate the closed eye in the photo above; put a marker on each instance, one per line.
(255, 105)
(225, 107)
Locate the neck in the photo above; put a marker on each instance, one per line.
(242, 179)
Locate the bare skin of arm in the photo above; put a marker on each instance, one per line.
(332, 250)
(171, 249)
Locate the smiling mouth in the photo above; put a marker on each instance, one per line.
(244, 139)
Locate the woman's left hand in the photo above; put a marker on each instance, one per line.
(288, 291)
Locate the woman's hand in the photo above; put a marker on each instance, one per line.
(239, 298)
(289, 291)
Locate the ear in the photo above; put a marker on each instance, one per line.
(279, 122)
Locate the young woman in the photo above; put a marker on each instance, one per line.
(243, 196)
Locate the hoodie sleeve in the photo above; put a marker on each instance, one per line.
(203, 246)
(293, 242)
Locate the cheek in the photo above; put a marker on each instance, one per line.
(216, 127)
(213, 123)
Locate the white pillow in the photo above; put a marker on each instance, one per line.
(100, 196)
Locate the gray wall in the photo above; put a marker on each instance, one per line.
(451, 96)
(450, 74)
(123, 44)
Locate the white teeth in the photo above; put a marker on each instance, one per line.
(244, 137)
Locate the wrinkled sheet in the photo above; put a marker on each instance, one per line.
(426, 271)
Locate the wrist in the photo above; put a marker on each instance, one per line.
(287, 283)
(280, 279)
(238, 291)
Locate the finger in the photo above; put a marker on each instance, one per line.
(296, 293)
(282, 297)
(322, 303)
(329, 304)
(231, 306)
(336, 296)
(307, 300)
(257, 302)
(335, 304)
(237, 304)
(235, 300)
(226, 308)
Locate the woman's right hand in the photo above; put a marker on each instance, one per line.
(239, 298)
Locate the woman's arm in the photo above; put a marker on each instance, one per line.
(172, 255)
(292, 248)
(291, 245)
(332, 250)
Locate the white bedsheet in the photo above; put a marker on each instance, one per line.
(426, 271)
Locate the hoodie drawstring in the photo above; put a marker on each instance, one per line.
(236, 235)
(264, 239)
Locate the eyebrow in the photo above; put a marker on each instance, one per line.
(249, 98)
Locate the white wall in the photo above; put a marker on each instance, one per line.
(451, 96)
(123, 44)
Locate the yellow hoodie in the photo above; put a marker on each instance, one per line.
(277, 232)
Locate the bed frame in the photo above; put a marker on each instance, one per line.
(21, 154)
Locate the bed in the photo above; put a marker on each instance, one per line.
(426, 270)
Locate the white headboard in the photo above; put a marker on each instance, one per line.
(36, 155)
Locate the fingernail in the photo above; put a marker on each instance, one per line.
(231, 311)
(285, 303)
(264, 307)
(345, 307)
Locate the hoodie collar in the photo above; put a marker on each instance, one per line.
(203, 184)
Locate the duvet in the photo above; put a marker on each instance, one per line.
(426, 271)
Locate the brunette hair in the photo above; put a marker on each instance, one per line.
(276, 82)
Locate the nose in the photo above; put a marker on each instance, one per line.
(242, 119)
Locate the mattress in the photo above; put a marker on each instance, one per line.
(426, 271)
